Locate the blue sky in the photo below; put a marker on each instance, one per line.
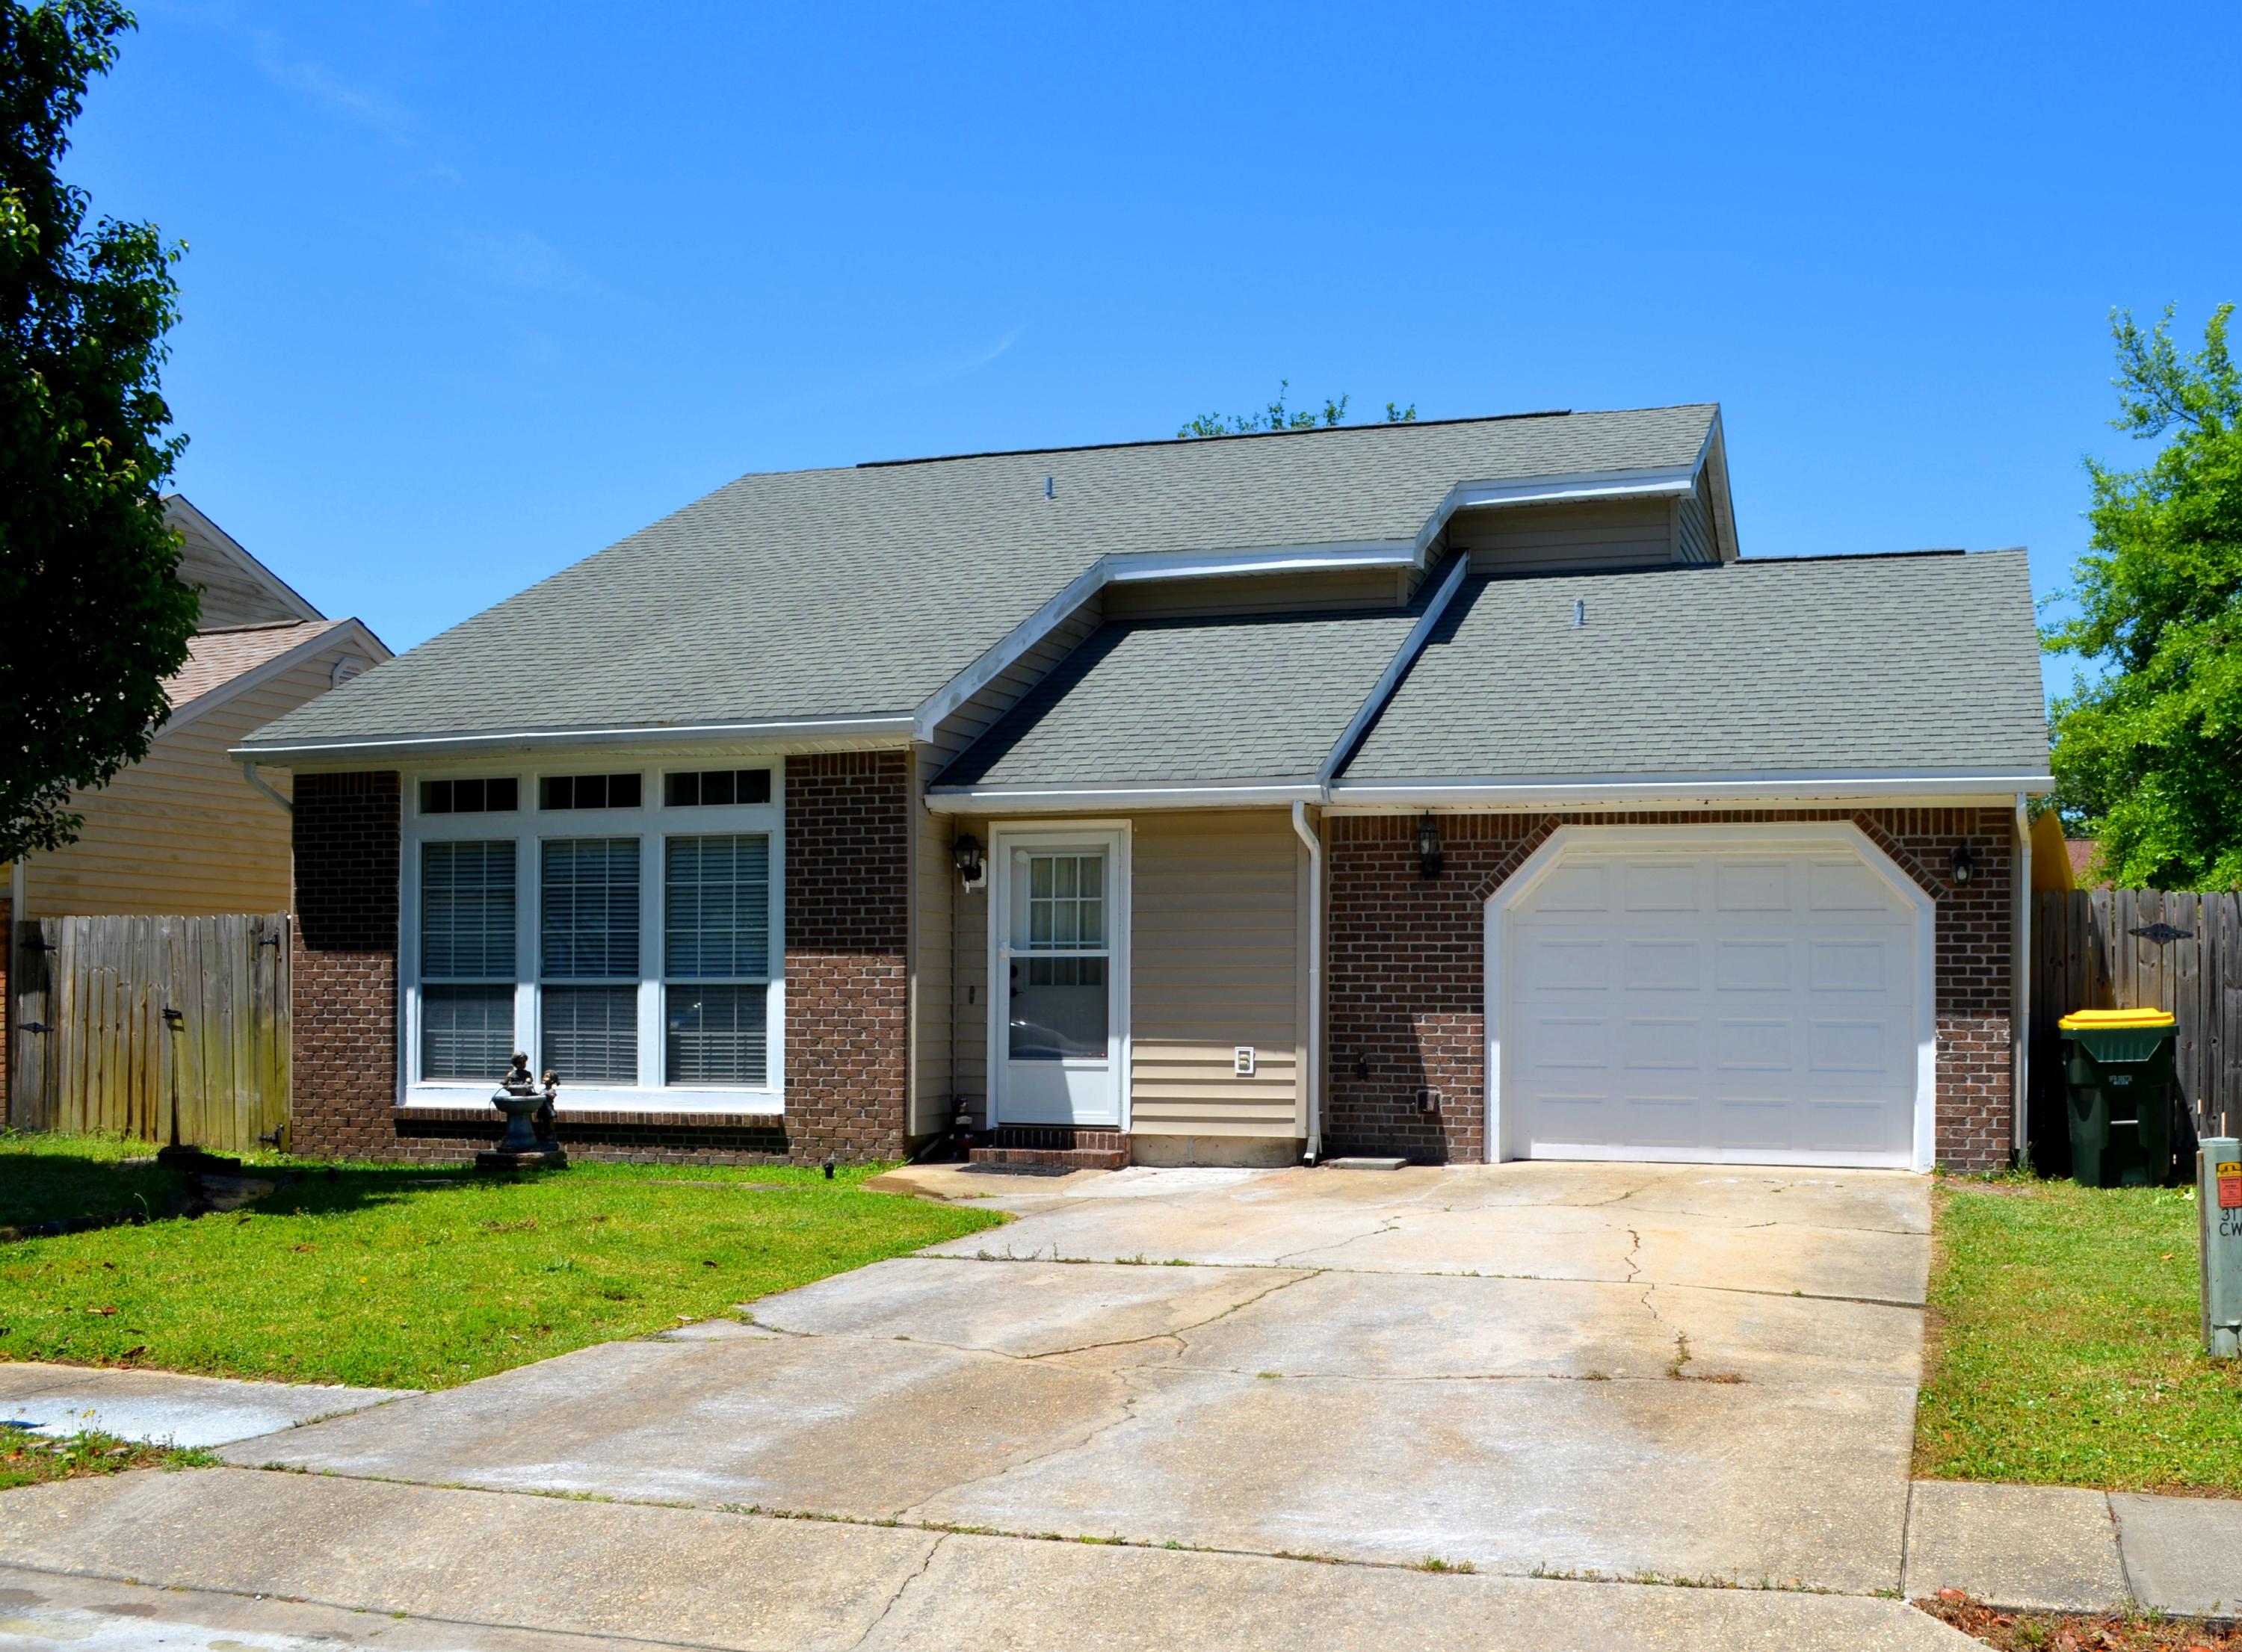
(475, 290)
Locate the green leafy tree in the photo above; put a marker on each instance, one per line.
(2148, 753)
(1277, 416)
(93, 616)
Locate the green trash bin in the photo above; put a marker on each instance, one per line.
(2118, 1070)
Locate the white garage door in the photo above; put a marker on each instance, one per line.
(1737, 999)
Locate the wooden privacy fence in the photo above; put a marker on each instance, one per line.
(2140, 949)
(164, 1028)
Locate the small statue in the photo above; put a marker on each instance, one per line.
(548, 1112)
(519, 1098)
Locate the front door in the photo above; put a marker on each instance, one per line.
(1060, 905)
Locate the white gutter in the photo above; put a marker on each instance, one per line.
(1029, 799)
(1666, 791)
(897, 728)
(2020, 1009)
(1314, 1066)
(249, 773)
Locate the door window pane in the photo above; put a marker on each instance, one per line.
(716, 1033)
(587, 901)
(466, 1031)
(1061, 903)
(716, 908)
(467, 911)
(1058, 1008)
(591, 1035)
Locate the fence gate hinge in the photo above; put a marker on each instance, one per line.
(175, 1017)
(268, 940)
(2162, 933)
(36, 1026)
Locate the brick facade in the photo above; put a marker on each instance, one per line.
(1406, 970)
(846, 923)
(847, 945)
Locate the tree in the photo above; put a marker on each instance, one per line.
(93, 616)
(2148, 754)
(1277, 417)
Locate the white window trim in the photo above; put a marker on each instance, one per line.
(1788, 836)
(651, 823)
(1003, 838)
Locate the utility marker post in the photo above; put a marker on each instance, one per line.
(2218, 1204)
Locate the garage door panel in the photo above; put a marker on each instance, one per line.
(1708, 1005)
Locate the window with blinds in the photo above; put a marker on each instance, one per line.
(589, 943)
(717, 959)
(467, 959)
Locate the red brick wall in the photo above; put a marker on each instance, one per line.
(847, 938)
(1406, 970)
(343, 971)
(847, 921)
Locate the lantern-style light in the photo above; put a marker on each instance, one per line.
(1965, 864)
(966, 852)
(1429, 845)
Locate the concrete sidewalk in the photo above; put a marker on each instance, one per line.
(166, 1406)
(424, 1568)
(2067, 1549)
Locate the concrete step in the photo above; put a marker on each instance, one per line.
(1070, 1158)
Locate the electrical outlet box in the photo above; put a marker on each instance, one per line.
(1428, 1100)
(1241, 1060)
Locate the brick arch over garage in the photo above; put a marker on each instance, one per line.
(1406, 969)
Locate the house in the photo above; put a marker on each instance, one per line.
(188, 830)
(1452, 789)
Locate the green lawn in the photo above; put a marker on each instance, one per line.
(45, 1178)
(2065, 1346)
(407, 1276)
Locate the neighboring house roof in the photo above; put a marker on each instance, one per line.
(808, 596)
(2080, 852)
(228, 660)
(1921, 664)
(1171, 702)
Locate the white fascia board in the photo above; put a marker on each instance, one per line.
(1403, 656)
(1028, 800)
(337, 634)
(887, 730)
(1597, 484)
(1668, 790)
(1205, 565)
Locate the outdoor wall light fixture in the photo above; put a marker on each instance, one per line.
(1428, 847)
(1963, 864)
(966, 852)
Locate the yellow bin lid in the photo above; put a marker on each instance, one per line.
(2081, 1020)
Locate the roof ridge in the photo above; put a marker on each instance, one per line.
(262, 625)
(1254, 436)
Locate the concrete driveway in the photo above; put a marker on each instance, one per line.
(1689, 1374)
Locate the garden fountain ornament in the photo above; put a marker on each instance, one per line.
(529, 1111)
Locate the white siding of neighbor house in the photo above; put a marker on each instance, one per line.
(181, 832)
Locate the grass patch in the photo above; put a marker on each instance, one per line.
(30, 1458)
(2078, 1631)
(2064, 1345)
(52, 1178)
(406, 1276)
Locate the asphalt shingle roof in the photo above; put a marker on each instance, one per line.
(216, 657)
(1918, 663)
(1153, 702)
(859, 592)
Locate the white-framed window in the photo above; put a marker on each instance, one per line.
(622, 927)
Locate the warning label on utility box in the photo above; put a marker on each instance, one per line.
(2230, 1184)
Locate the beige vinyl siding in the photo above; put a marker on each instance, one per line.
(1555, 539)
(1256, 594)
(181, 832)
(1213, 951)
(1692, 528)
(232, 595)
(1217, 948)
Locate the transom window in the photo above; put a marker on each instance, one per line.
(501, 795)
(712, 787)
(628, 958)
(588, 791)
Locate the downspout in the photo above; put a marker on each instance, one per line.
(2020, 1004)
(249, 773)
(1314, 1064)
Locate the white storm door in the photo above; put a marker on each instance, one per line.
(1060, 909)
(1749, 1004)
